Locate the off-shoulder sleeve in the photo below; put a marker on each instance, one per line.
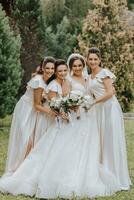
(55, 87)
(105, 73)
(36, 82)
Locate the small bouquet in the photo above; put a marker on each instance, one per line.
(59, 104)
(88, 102)
(55, 103)
(75, 99)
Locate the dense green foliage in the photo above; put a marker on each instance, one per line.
(51, 28)
(62, 24)
(10, 69)
(104, 29)
(46, 27)
(131, 4)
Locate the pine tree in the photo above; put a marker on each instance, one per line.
(60, 43)
(10, 69)
(103, 28)
(62, 24)
(53, 12)
(75, 11)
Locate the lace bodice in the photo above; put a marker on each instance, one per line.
(76, 85)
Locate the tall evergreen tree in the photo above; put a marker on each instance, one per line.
(104, 29)
(75, 11)
(10, 69)
(60, 43)
(53, 12)
(62, 24)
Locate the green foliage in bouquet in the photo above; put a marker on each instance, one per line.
(103, 28)
(10, 69)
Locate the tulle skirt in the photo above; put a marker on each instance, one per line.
(64, 163)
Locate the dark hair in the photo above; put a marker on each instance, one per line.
(60, 62)
(57, 63)
(95, 50)
(71, 61)
(39, 69)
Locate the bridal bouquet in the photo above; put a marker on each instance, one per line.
(55, 103)
(60, 104)
(87, 102)
(75, 99)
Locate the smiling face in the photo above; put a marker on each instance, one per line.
(49, 69)
(61, 72)
(77, 67)
(93, 61)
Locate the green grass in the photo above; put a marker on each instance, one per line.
(5, 122)
(124, 195)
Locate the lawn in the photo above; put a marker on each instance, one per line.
(124, 195)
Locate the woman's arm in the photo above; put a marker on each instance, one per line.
(109, 90)
(38, 105)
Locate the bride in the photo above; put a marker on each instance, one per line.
(65, 162)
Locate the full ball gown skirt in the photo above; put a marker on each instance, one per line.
(26, 124)
(64, 163)
(111, 128)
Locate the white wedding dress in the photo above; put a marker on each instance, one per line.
(65, 162)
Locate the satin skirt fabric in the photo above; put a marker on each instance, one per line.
(113, 154)
(27, 124)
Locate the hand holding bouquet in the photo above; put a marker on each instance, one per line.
(88, 102)
(75, 100)
(58, 104)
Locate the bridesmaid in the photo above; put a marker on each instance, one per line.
(110, 120)
(65, 162)
(29, 117)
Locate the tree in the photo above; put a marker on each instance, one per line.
(28, 18)
(10, 68)
(104, 29)
(61, 43)
(53, 12)
(75, 11)
(131, 4)
(62, 24)
(39, 23)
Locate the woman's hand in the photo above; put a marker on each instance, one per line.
(64, 116)
(74, 108)
(50, 112)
